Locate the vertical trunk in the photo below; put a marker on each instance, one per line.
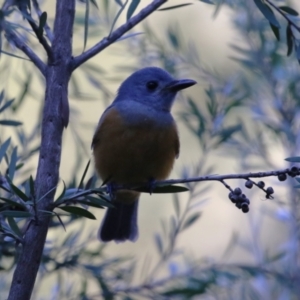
(55, 117)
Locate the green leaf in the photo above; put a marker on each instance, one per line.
(13, 163)
(289, 40)
(83, 175)
(18, 192)
(78, 211)
(275, 31)
(43, 20)
(289, 10)
(14, 55)
(191, 220)
(16, 214)
(4, 148)
(6, 105)
(2, 96)
(31, 186)
(86, 22)
(10, 123)
(164, 189)
(227, 132)
(208, 2)
(119, 2)
(132, 7)
(14, 227)
(176, 205)
(175, 6)
(159, 243)
(94, 3)
(267, 12)
(13, 203)
(295, 159)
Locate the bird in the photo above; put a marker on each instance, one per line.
(136, 141)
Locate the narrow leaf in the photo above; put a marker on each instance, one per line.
(1, 96)
(275, 31)
(132, 7)
(295, 159)
(13, 163)
(164, 189)
(78, 211)
(43, 20)
(80, 186)
(13, 203)
(175, 6)
(289, 40)
(119, 2)
(86, 22)
(18, 192)
(14, 55)
(176, 205)
(4, 148)
(159, 243)
(191, 220)
(14, 227)
(10, 123)
(94, 3)
(289, 10)
(6, 105)
(267, 12)
(16, 214)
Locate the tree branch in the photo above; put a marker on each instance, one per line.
(116, 34)
(11, 36)
(56, 104)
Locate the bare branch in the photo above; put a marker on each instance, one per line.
(41, 38)
(11, 36)
(47, 27)
(116, 34)
(146, 187)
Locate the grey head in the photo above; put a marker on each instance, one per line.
(152, 86)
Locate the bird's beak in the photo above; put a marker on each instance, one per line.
(178, 85)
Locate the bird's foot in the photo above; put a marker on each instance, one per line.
(151, 185)
(110, 189)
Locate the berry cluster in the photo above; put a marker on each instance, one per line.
(242, 202)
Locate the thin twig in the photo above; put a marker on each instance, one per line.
(11, 36)
(46, 27)
(80, 59)
(41, 38)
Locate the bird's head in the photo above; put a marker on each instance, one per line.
(152, 86)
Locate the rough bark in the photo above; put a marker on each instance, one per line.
(55, 116)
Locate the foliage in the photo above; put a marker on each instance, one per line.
(247, 114)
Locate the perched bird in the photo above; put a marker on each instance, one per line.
(136, 141)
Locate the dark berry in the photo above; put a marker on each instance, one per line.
(261, 184)
(245, 207)
(270, 190)
(232, 197)
(237, 191)
(282, 177)
(238, 205)
(249, 184)
(295, 170)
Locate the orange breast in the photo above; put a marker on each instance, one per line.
(129, 154)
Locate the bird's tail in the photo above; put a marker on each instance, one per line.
(120, 223)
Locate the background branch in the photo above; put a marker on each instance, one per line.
(79, 60)
(11, 36)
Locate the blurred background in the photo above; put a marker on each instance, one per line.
(241, 117)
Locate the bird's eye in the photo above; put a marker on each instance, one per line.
(152, 85)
